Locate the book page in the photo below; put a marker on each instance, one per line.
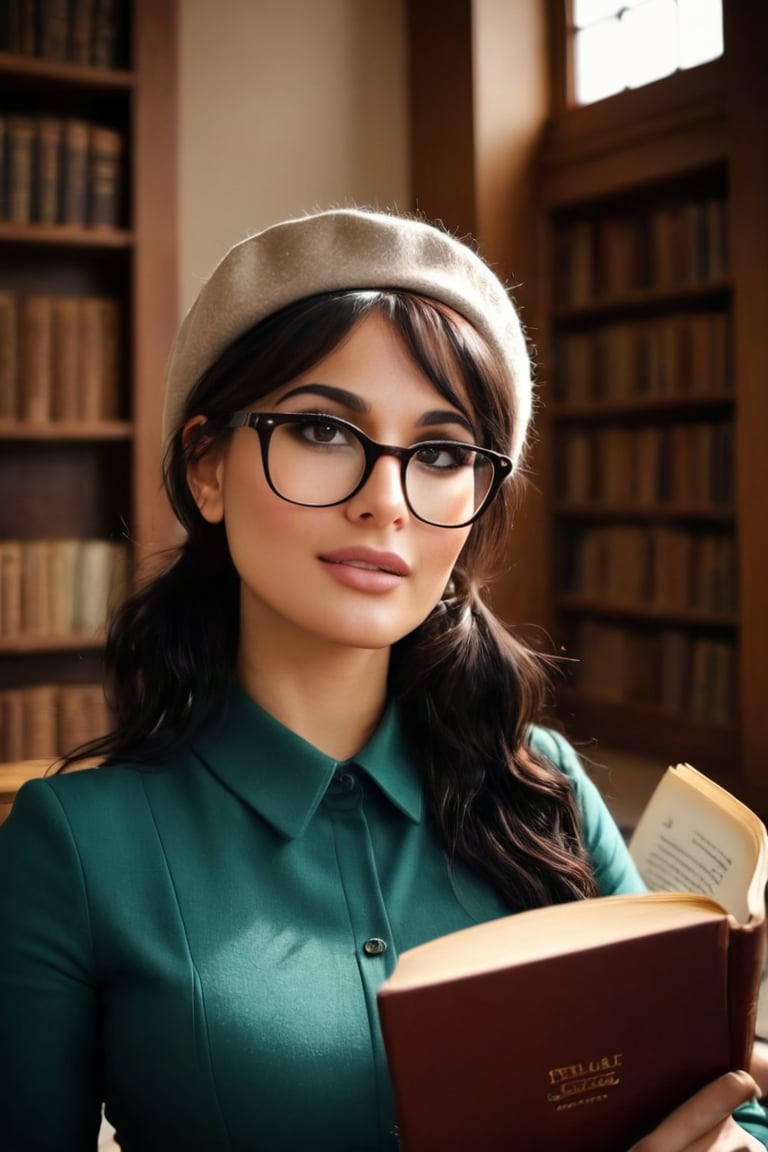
(553, 930)
(688, 840)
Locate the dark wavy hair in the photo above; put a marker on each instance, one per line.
(467, 688)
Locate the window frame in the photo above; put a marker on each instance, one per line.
(702, 84)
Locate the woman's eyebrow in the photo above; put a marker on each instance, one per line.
(349, 399)
(446, 416)
(356, 403)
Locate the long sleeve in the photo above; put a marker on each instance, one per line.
(614, 868)
(49, 1063)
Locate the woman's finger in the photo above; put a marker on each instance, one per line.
(700, 1114)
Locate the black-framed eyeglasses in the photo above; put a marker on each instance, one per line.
(320, 461)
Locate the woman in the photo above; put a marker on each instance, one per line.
(324, 749)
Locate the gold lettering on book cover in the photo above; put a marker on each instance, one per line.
(574, 1085)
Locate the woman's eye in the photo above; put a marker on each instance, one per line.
(444, 456)
(322, 432)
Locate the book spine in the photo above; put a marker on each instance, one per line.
(35, 594)
(119, 576)
(75, 173)
(54, 29)
(62, 568)
(106, 177)
(109, 325)
(7, 26)
(39, 711)
(91, 359)
(106, 29)
(10, 588)
(27, 27)
(35, 358)
(99, 358)
(12, 727)
(3, 167)
(82, 715)
(81, 31)
(42, 721)
(92, 585)
(66, 375)
(21, 155)
(9, 385)
(49, 147)
(746, 958)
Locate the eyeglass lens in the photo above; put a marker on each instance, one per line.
(319, 463)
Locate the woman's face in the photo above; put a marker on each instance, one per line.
(360, 574)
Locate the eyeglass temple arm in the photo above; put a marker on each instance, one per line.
(243, 419)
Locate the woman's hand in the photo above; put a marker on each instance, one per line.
(704, 1123)
(758, 1068)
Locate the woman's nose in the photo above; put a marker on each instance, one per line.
(381, 499)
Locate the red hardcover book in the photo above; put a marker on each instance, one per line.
(533, 1031)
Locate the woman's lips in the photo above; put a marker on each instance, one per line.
(366, 569)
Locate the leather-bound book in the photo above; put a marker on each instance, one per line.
(106, 161)
(9, 357)
(67, 358)
(49, 170)
(35, 358)
(74, 209)
(580, 1026)
(20, 166)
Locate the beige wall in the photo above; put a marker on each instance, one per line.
(285, 105)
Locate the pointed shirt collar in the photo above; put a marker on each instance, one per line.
(284, 778)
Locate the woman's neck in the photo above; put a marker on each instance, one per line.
(331, 697)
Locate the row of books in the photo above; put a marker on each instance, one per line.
(684, 465)
(52, 588)
(46, 720)
(664, 248)
(671, 670)
(679, 356)
(626, 566)
(61, 171)
(78, 31)
(60, 357)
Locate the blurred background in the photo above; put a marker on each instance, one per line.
(609, 158)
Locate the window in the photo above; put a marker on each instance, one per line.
(618, 44)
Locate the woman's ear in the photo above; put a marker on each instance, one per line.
(205, 473)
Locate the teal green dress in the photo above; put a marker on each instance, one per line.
(200, 944)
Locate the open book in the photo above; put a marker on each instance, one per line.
(578, 1027)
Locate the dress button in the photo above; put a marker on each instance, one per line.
(374, 946)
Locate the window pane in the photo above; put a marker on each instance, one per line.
(587, 12)
(599, 66)
(650, 38)
(620, 44)
(701, 31)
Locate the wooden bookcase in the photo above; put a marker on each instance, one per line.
(652, 282)
(80, 427)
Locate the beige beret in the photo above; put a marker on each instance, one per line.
(336, 250)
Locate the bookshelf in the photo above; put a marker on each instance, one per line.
(87, 314)
(650, 362)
